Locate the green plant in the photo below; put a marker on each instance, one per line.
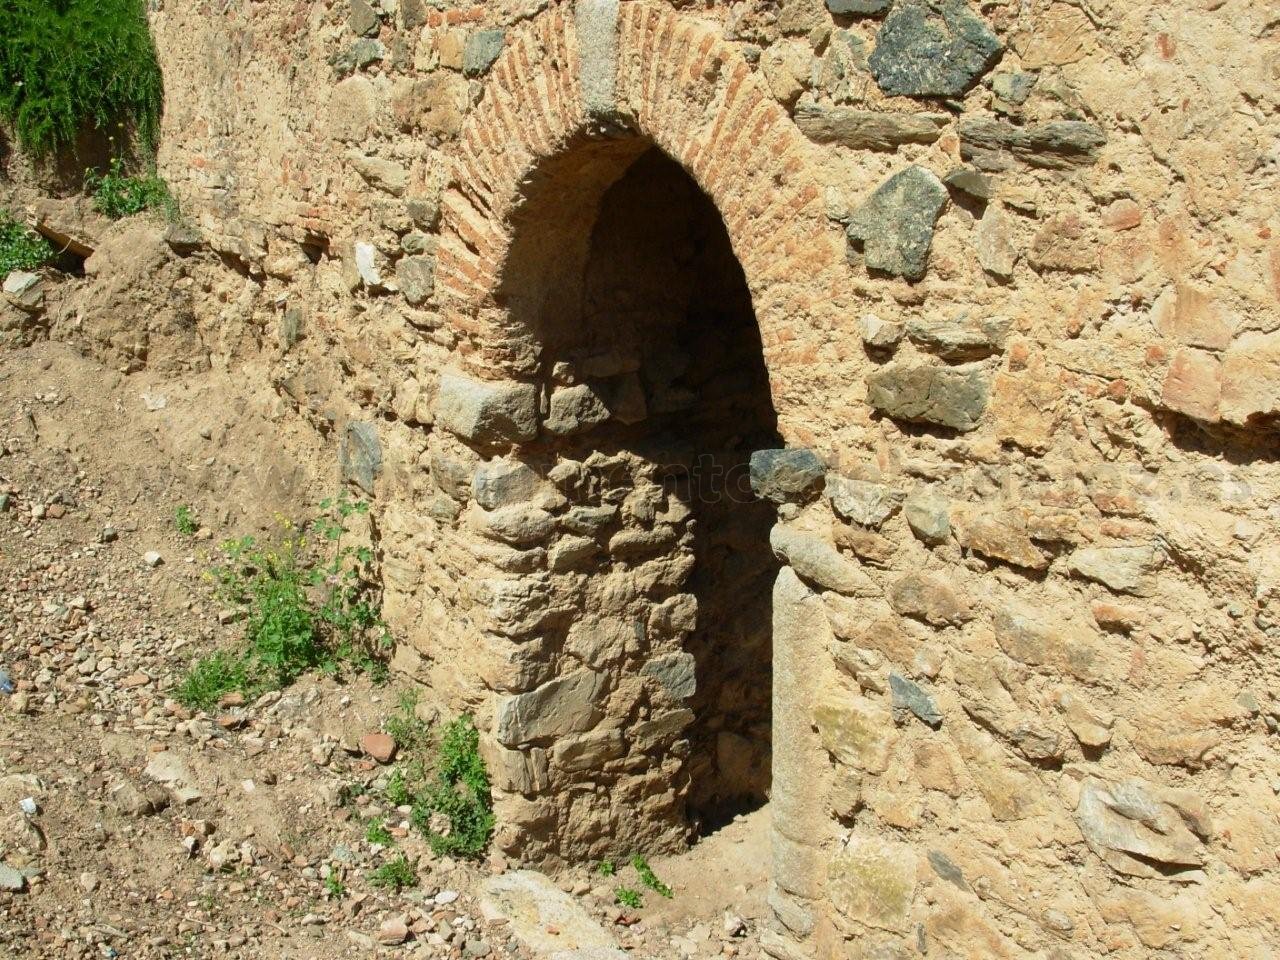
(308, 604)
(20, 247)
(212, 678)
(404, 726)
(607, 868)
(398, 792)
(118, 194)
(334, 887)
(71, 65)
(461, 794)
(377, 832)
(629, 897)
(397, 875)
(649, 878)
(185, 520)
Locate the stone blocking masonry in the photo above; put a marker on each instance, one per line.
(1016, 302)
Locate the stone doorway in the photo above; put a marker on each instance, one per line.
(655, 394)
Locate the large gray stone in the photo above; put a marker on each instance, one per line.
(11, 880)
(933, 48)
(361, 455)
(576, 408)
(482, 48)
(487, 412)
(363, 19)
(597, 24)
(868, 129)
(907, 696)
(786, 476)
(548, 922)
(504, 483)
(929, 516)
(416, 277)
(846, 8)
(1058, 145)
(896, 223)
(24, 290)
(676, 672)
(820, 563)
(555, 709)
(954, 397)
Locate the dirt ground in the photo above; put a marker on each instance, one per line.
(157, 833)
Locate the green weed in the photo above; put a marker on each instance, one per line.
(118, 194)
(404, 726)
(211, 678)
(185, 520)
(308, 604)
(377, 832)
(20, 247)
(629, 897)
(607, 868)
(67, 66)
(334, 887)
(396, 875)
(461, 793)
(649, 878)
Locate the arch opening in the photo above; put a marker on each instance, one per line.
(622, 277)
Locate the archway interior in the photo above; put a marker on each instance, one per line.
(632, 286)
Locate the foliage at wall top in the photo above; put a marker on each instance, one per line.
(67, 66)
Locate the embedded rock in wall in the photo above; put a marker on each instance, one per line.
(1139, 833)
(846, 8)
(874, 882)
(933, 48)
(896, 223)
(954, 397)
(361, 455)
(785, 476)
(868, 129)
(556, 709)
(1059, 145)
(487, 412)
(482, 49)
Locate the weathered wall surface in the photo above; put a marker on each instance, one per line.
(1018, 287)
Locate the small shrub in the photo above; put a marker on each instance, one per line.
(71, 65)
(20, 247)
(649, 878)
(461, 794)
(334, 887)
(212, 678)
(119, 195)
(406, 729)
(308, 605)
(185, 521)
(377, 832)
(396, 875)
(607, 868)
(629, 897)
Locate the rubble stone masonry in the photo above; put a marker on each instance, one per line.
(997, 636)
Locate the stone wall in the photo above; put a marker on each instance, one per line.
(1017, 289)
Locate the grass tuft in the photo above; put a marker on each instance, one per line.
(67, 66)
(395, 875)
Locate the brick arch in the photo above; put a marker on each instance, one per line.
(677, 85)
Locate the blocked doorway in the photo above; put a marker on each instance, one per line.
(655, 394)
